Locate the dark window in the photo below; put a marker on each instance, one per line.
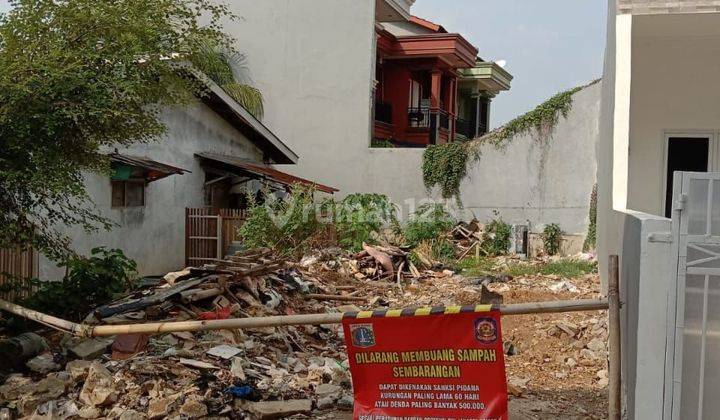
(687, 154)
(128, 193)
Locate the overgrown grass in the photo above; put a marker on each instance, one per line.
(568, 268)
(475, 266)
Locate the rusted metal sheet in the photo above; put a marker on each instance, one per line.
(258, 170)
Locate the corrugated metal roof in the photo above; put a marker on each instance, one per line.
(156, 169)
(263, 171)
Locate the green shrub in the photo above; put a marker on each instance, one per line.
(430, 222)
(381, 144)
(284, 225)
(496, 238)
(89, 282)
(360, 217)
(552, 235)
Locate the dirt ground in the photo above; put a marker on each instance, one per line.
(553, 374)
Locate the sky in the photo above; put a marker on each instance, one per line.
(548, 45)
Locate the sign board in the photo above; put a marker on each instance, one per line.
(429, 363)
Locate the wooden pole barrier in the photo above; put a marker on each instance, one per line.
(47, 320)
(269, 321)
(614, 372)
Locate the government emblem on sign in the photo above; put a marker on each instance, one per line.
(362, 335)
(486, 330)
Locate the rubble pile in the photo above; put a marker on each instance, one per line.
(467, 237)
(556, 362)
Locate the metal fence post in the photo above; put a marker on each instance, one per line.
(614, 372)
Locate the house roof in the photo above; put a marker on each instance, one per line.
(255, 131)
(243, 167)
(427, 24)
(155, 170)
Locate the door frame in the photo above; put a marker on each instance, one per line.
(713, 152)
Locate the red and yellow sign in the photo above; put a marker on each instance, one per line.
(430, 363)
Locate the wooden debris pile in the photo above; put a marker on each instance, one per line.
(245, 284)
(467, 238)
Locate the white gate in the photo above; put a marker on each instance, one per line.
(694, 345)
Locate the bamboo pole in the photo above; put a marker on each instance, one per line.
(47, 320)
(614, 372)
(270, 321)
(344, 298)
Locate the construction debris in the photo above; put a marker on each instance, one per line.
(282, 371)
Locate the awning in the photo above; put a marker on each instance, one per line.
(243, 167)
(132, 167)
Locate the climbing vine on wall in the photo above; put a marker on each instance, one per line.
(591, 238)
(445, 166)
(542, 119)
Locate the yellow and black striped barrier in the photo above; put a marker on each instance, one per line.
(424, 311)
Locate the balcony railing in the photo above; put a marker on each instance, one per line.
(420, 117)
(383, 112)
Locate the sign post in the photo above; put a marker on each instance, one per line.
(429, 363)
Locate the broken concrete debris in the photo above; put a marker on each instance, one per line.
(279, 372)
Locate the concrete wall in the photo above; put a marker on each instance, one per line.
(645, 288)
(528, 182)
(608, 222)
(153, 235)
(313, 60)
(540, 181)
(661, 104)
(317, 82)
(667, 6)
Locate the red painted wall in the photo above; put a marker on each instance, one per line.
(397, 90)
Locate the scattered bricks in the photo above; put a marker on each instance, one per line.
(91, 348)
(276, 409)
(78, 369)
(99, 387)
(35, 393)
(132, 415)
(43, 364)
(160, 408)
(193, 409)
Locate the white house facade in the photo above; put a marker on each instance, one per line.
(659, 200)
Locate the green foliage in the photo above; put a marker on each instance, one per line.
(228, 69)
(80, 77)
(381, 144)
(496, 238)
(360, 217)
(542, 118)
(430, 222)
(90, 282)
(430, 251)
(476, 266)
(591, 238)
(445, 165)
(284, 225)
(569, 268)
(552, 235)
